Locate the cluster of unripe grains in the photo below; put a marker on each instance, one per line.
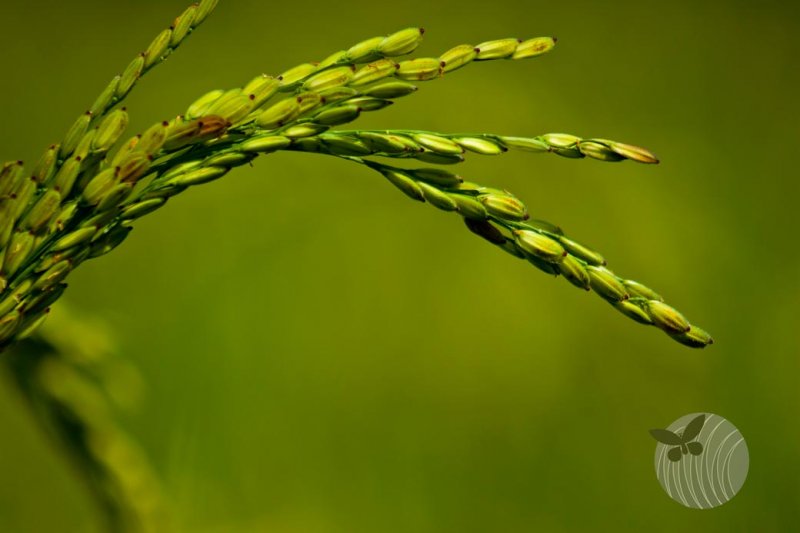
(81, 198)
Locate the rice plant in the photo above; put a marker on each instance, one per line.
(81, 199)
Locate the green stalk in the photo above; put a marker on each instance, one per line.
(452, 147)
(503, 220)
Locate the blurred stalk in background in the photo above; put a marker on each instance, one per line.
(75, 386)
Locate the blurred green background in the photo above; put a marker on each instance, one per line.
(324, 355)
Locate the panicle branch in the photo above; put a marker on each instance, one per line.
(83, 196)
